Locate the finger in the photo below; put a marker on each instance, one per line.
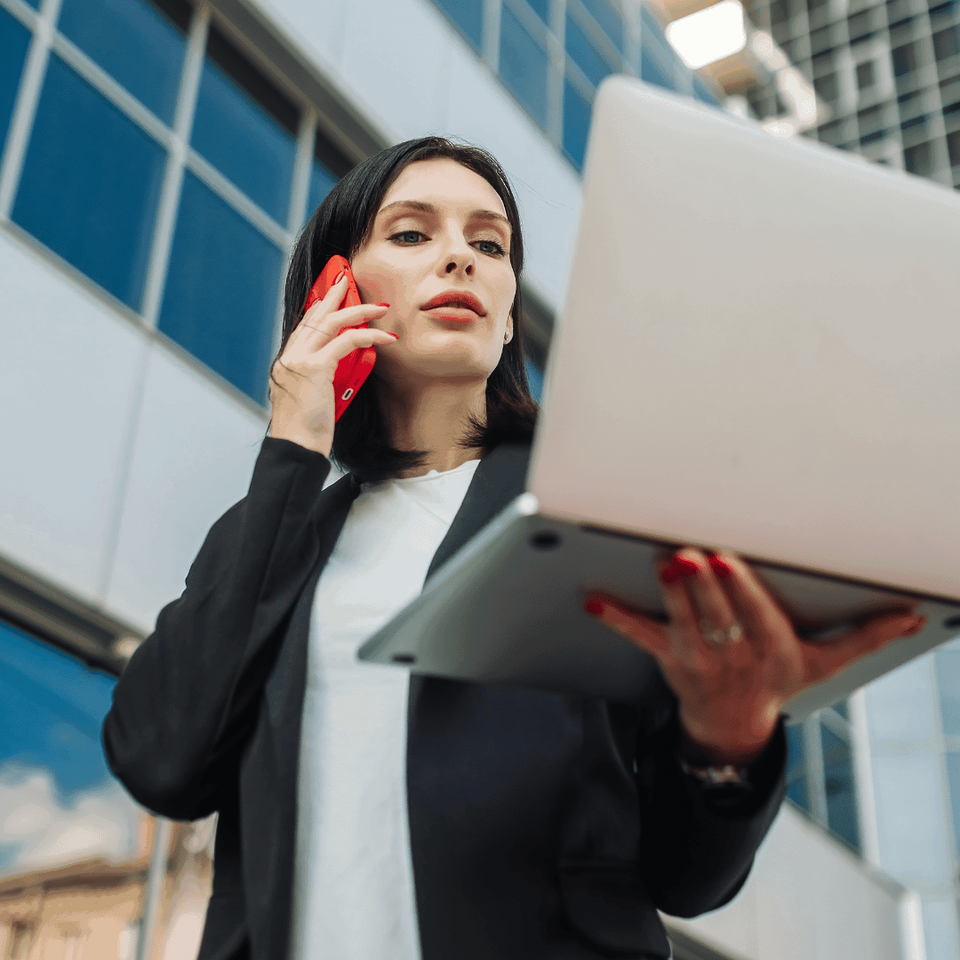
(686, 641)
(323, 326)
(767, 626)
(823, 660)
(712, 605)
(645, 633)
(356, 338)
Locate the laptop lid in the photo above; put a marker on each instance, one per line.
(758, 350)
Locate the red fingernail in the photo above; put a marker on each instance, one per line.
(593, 606)
(383, 304)
(671, 572)
(396, 336)
(686, 566)
(719, 566)
(340, 276)
(915, 626)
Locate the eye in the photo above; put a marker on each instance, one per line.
(496, 251)
(404, 236)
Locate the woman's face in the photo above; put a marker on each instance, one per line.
(441, 232)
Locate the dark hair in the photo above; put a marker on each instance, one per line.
(341, 225)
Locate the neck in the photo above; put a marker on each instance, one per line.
(433, 418)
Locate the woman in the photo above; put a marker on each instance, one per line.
(366, 813)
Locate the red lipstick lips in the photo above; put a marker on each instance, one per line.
(456, 299)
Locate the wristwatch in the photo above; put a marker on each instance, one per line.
(726, 775)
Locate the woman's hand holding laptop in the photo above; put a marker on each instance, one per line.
(730, 653)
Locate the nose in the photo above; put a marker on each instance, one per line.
(459, 257)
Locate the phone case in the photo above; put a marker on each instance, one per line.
(356, 366)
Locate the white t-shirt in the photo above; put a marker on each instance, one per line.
(353, 879)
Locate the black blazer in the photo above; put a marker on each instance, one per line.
(542, 826)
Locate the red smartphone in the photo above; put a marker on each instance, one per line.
(356, 366)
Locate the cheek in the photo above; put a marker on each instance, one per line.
(376, 283)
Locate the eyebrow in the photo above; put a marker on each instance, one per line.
(429, 208)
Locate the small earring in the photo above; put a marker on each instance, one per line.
(507, 337)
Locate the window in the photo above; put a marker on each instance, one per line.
(245, 126)
(866, 75)
(953, 149)
(826, 87)
(523, 65)
(870, 120)
(919, 159)
(607, 17)
(905, 59)
(576, 123)
(14, 40)
(90, 184)
(860, 25)
(946, 43)
(140, 44)
(222, 289)
(595, 43)
(584, 53)
(468, 16)
(947, 661)
(820, 773)
(98, 160)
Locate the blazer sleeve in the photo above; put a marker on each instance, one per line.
(697, 846)
(187, 699)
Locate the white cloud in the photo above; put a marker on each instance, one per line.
(100, 822)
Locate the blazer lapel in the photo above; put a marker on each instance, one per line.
(500, 478)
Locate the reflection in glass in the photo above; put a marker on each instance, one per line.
(74, 848)
(702, 92)
(523, 66)
(90, 185)
(245, 127)
(14, 40)
(839, 783)
(576, 123)
(222, 287)
(584, 54)
(139, 45)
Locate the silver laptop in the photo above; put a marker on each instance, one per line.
(759, 351)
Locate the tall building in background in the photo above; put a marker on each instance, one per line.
(157, 160)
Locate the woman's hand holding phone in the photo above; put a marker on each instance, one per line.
(303, 407)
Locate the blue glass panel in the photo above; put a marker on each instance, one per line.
(659, 62)
(609, 19)
(651, 71)
(523, 66)
(542, 9)
(576, 123)
(535, 379)
(14, 40)
(242, 140)
(468, 16)
(585, 55)
(90, 184)
(953, 778)
(948, 679)
(140, 47)
(839, 783)
(796, 768)
(702, 92)
(221, 294)
(322, 181)
(60, 803)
